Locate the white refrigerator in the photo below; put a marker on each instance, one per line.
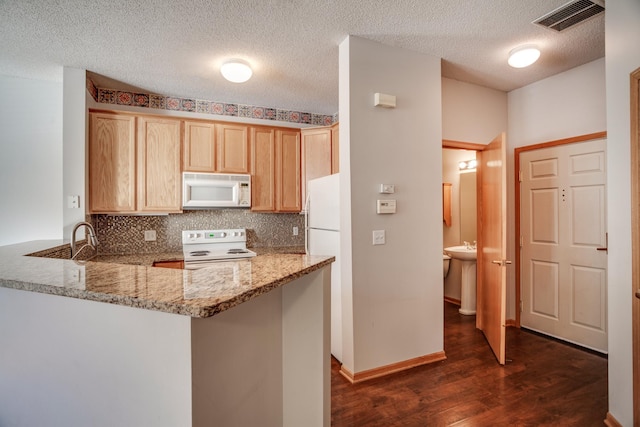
(323, 238)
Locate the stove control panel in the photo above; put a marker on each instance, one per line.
(214, 236)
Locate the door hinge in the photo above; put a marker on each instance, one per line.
(521, 241)
(520, 306)
(520, 176)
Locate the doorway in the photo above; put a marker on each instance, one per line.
(463, 225)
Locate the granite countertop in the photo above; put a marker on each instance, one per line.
(130, 280)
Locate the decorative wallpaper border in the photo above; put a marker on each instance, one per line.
(161, 102)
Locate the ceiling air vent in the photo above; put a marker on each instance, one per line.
(571, 14)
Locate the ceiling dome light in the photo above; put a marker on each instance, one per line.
(523, 56)
(236, 71)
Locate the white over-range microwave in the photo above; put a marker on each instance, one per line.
(215, 190)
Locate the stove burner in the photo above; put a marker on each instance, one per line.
(237, 251)
(199, 253)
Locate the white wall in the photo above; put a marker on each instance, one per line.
(565, 105)
(562, 106)
(623, 57)
(74, 134)
(472, 113)
(396, 288)
(31, 160)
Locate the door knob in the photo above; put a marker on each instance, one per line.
(501, 262)
(606, 247)
(638, 293)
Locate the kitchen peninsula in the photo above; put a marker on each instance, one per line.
(102, 344)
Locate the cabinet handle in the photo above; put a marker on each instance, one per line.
(501, 262)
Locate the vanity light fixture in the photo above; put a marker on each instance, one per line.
(468, 165)
(523, 56)
(236, 71)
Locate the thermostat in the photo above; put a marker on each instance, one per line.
(386, 206)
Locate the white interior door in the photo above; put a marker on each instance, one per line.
(563, 256)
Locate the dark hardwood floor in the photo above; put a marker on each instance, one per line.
(544, 383)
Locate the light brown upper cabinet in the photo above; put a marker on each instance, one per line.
(134, 164)
(112, 168)
(288, 171)
(233, 148)
(275, 170)
(263, 169)
(316, 155)
(159, 179)
(199, 154)
(335, 148)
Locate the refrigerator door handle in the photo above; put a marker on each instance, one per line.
(306, 225)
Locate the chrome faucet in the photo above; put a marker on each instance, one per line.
(93, 240)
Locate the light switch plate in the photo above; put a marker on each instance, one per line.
(379, 237)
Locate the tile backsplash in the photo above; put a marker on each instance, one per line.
(120, 234)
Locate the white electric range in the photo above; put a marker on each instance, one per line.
(202, 248)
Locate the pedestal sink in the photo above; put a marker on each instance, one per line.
(467, 257)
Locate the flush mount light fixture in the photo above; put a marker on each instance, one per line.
(523, 56)
(236, 71)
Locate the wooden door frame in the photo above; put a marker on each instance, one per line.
(517, 152)
(635, 235)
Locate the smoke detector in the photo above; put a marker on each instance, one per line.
(571, 14)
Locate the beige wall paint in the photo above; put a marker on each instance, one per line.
(472, 113)
(396, 288)
(623, 57)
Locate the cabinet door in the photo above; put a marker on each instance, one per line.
(199, 154)
(233, 148)
(112, 178)
(263, 170)
(335, 148)
(288, 164)
(159, 179)
(316, 155)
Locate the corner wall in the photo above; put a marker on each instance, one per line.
(622, 58)
(74, 135)
(395, 289)
(31, 161)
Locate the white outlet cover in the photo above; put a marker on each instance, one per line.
(150, 235)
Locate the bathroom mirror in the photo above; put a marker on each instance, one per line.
(468, 210)
(446, 203)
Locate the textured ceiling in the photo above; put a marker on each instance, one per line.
(175, 47)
